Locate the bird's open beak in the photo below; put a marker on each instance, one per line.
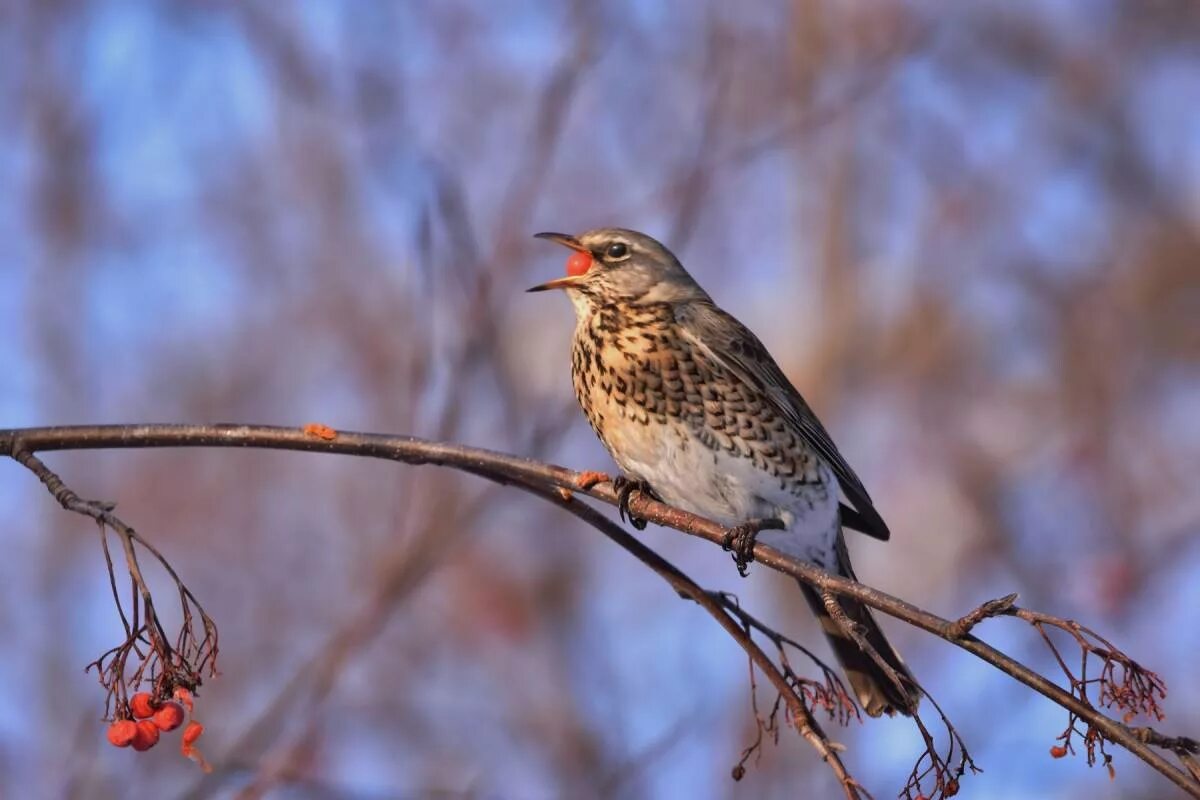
(563, 239)
(566, 281)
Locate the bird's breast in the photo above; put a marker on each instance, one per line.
(703, 439)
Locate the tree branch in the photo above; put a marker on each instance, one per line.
(1137, 690)
(800, 713)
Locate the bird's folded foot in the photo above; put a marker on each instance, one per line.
(589, 478)
(625, 487)
(740, 539)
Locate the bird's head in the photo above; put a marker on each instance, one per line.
(614, 265)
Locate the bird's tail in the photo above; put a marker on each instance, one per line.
(875, 691)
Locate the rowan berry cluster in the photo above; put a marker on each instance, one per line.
(144, 719)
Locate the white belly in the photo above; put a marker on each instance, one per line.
(729, 489)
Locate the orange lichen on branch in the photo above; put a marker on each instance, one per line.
(319, 431)
(589, 478)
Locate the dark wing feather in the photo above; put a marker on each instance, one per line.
(729, 344)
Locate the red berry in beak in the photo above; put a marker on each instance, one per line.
(579, 263)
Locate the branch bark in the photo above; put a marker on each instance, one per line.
(557, 484)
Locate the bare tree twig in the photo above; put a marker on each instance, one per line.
(164, 666)
(801, 714)
(556, 483)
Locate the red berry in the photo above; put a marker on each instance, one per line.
(169, 717)
(192, 732)
(122, 732)
(1058, 751)
(146, 736)
(142, 705)
(579, 263)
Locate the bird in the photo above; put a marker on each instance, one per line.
(696, 413)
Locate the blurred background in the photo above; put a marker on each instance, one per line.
(969, 232)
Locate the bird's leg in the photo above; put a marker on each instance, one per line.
(740, 539)
(624, 488)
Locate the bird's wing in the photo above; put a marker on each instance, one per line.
(728, 344)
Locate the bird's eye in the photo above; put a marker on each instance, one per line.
(616, 250)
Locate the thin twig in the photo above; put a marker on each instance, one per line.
(801, 715)
(164, 666)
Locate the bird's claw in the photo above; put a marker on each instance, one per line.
(625, 488)
(740, 540)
